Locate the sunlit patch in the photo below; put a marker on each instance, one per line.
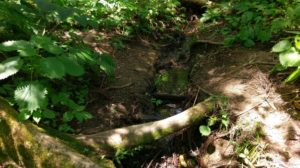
(234, 88)
(211, 72)
(115, 139)
(249, 121)
(215, 80)
(122, 131)
(8, 43)
(276, 119)
(275, 135)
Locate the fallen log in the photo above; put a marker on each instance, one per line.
(23, 144)
(126, 137)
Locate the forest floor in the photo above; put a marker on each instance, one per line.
(263, 111)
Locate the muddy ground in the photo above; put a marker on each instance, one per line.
(258, 103)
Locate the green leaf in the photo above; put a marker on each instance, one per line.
(51, 67)
(81, 54)
(247, 17)
(107, 64)
(249, 43)
(10, 66)
(204, 130)
(37, 116)
(264, 36)
(24, 48)
(297, 42)
(68, 116)
(229, 41)
(278, 68)
(65, 128)
(281, 46)
(82, 115)
(297, 11)
(31, 96)
(293, 76)
(64, 99)
(48, 114)
(290, 58)
(278, 24)
(71, 66)
(47, 44)
(212, 121)
(24, 114)
(225, 122)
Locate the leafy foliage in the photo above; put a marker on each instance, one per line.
(31, 96)
(221, 118)
(249, 21)
(10, 66)
(289, 56)
(42, 61)
(205, 130)
(38, 70)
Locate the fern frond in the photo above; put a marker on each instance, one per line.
(31, 96)
(10, 67)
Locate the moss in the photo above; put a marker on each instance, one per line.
(70, 141)
(8, 149)
(159, 133)
(174, 81)
(27, 156)
(53, 162)
(23, 144)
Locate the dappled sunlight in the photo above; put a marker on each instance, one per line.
(234, 88)
(115, 139)
(255, 102)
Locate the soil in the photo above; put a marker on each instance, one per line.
(258, 101)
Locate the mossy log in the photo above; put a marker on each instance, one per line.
(126, 137)
(23, 144)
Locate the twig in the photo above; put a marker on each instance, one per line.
(292, 32)
(155, 156)
(262, 63)
(205, 91)
(118, 87)
(196, 96)
(250, 109)
(210, 42)
(271, 105)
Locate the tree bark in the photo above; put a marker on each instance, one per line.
(22, 144)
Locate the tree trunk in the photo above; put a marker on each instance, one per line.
(23, 144)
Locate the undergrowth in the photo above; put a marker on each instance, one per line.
(45, 76)
(249, 21)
